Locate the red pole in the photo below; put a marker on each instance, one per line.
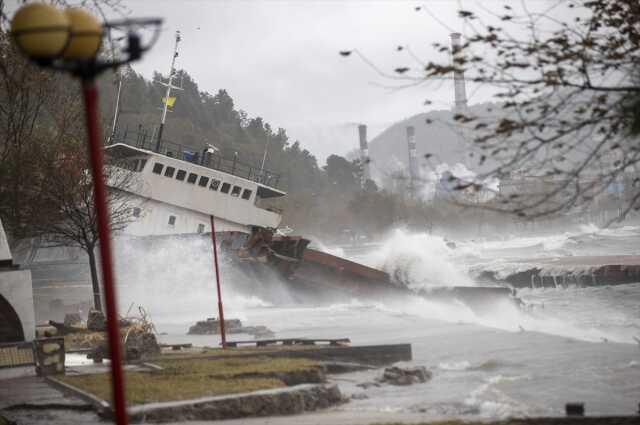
(90, 93)
(217, 269)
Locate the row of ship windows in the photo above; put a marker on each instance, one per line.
(171, 222)
(192, 178)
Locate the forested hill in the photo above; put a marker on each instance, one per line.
(319, 201)
(199, 117)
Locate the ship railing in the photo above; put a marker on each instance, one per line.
(231, 165)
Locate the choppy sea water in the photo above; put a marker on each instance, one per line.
(573, 344)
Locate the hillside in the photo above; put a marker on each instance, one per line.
(437, 134)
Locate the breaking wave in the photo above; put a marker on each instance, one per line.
(493, 403)
(174, 280)
(418, 260)
(464, 365)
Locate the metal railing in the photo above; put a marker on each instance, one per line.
(214, 161)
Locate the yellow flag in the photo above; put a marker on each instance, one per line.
(170, 101)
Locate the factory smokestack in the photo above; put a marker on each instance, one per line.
(458, 76)
(364, 154)
(413, 159)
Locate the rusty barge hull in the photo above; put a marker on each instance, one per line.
(566, 271)
(324, 275)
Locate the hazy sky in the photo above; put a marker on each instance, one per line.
(279, 59)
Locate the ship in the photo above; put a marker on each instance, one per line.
(176, 192)
(181, 191)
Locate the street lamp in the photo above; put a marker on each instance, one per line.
(69, 41)
(41, 31)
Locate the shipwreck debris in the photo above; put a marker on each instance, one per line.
(211, 326)
(96, 321)
(138, 338)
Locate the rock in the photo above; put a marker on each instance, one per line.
(211, 326)
(405, 376)
(367, 385)
(359, 396)
(96, 321)
(72, 320)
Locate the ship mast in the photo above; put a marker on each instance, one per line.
(169, 86)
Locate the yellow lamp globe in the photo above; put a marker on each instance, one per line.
(86, 35)
(41, 31)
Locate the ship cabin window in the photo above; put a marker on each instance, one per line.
(203, 181)
(172, 220)
(136, 212)
(225, 188)
(139, 164)
(132, 164)
(236, 191)
(157, 168)
(169, 171)
(200, 228)
(180, 175)
(192, 178)
(215, 183)
(246, 194)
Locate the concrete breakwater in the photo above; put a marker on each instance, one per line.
(282, 401)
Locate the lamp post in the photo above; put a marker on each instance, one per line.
(69, 41)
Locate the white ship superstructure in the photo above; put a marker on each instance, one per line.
(178, 196)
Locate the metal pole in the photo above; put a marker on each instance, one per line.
(117, 110)
(217, 269)
(90, 94)
(168, 92)
(264, 157)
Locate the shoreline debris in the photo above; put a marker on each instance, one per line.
(211, 326)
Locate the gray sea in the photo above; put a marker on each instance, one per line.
(574, 344)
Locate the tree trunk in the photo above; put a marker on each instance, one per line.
(95, 283)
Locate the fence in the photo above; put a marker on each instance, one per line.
(234, 166)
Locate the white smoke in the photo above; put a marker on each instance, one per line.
(436, 184)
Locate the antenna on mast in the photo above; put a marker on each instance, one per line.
(169, 86)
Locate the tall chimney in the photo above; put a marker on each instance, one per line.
(413, 158)
(458, 76)
(364, 154)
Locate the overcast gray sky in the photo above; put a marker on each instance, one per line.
(279, 59)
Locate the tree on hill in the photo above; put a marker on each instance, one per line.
(342, 174)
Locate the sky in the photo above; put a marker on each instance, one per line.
(279, 59)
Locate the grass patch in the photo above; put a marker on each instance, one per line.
(193, 378)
